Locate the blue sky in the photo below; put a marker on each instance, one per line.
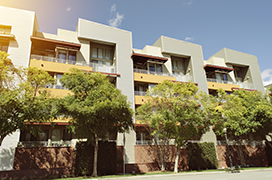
(242, 25)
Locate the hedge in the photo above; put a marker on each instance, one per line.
(106, 160)
(202, 156)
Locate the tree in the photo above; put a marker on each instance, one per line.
(23, 100)
(95, 108)
(244, 112)
(173, 111)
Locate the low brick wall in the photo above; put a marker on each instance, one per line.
(41, 161)
(146, 159)
(253, 156)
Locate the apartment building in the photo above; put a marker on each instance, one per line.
(97, 47)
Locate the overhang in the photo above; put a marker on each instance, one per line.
(143, 58)
(55, 43)
(7, 36)
(209, 67)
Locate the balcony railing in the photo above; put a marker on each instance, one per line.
(150, 72)
(95, 66)
(183, 78)
(139, 93)
(44, 144)
(219, 81)
(244, 142)
(244, 85)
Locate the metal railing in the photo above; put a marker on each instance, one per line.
(244, 142)
(95, 66)
(140, 93)
(44, 144)
(220, 81)
(182, 78)
(150, 72)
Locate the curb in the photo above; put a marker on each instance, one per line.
(181, 174)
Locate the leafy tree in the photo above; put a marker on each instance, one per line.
(95, 108)
(23, 100)
(173, 111)
(244, 112)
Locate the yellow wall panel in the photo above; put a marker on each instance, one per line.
(56, 67)
(226, 87)
(150, 78)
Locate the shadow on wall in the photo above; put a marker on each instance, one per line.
(43, 158)
(253, 156)
(6, 158)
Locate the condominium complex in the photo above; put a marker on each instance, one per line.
(97, 47)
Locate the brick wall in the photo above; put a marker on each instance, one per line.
(41, 161)
(253, 156)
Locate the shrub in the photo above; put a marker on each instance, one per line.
(106, 160)
(202, 156)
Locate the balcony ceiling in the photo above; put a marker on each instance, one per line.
(142, 58)
(211, 68)
(51, 44)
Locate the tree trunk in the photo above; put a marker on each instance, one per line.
(241, 154)
(95, 155)
(177, 159)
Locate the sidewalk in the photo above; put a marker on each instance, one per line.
(180, 174)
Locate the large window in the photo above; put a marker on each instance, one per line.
(5, 29)
(4, 46)
(66, 54)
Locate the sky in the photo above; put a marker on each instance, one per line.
(242, 25)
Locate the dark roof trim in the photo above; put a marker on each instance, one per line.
(142, 58)
(74, 45)
(217, 67)
(243, 89)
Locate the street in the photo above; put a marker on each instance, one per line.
(243, 175)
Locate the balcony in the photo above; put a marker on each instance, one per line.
(212, 84)
(69, 64)
(146, 76)
(139, 93)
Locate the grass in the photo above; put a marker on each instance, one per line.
(164, 172)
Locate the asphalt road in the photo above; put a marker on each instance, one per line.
(243, 175)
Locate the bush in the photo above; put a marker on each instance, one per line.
(202, 156)
(106, 160)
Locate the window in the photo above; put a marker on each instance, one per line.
(56, 135)
(5, 29)
(4, 46)
(177, 65)
(159, 68)
(62, 55)
(108, 54)
(97, 53)
(72, 56)
(58, 84)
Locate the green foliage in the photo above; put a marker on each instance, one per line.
(173, 111)
(245, 112)
(107, 155)
(96, 106)
(202, 156)
(22, 97)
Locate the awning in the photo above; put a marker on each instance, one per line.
(52, 44)
(143, 58)
(209, 67)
